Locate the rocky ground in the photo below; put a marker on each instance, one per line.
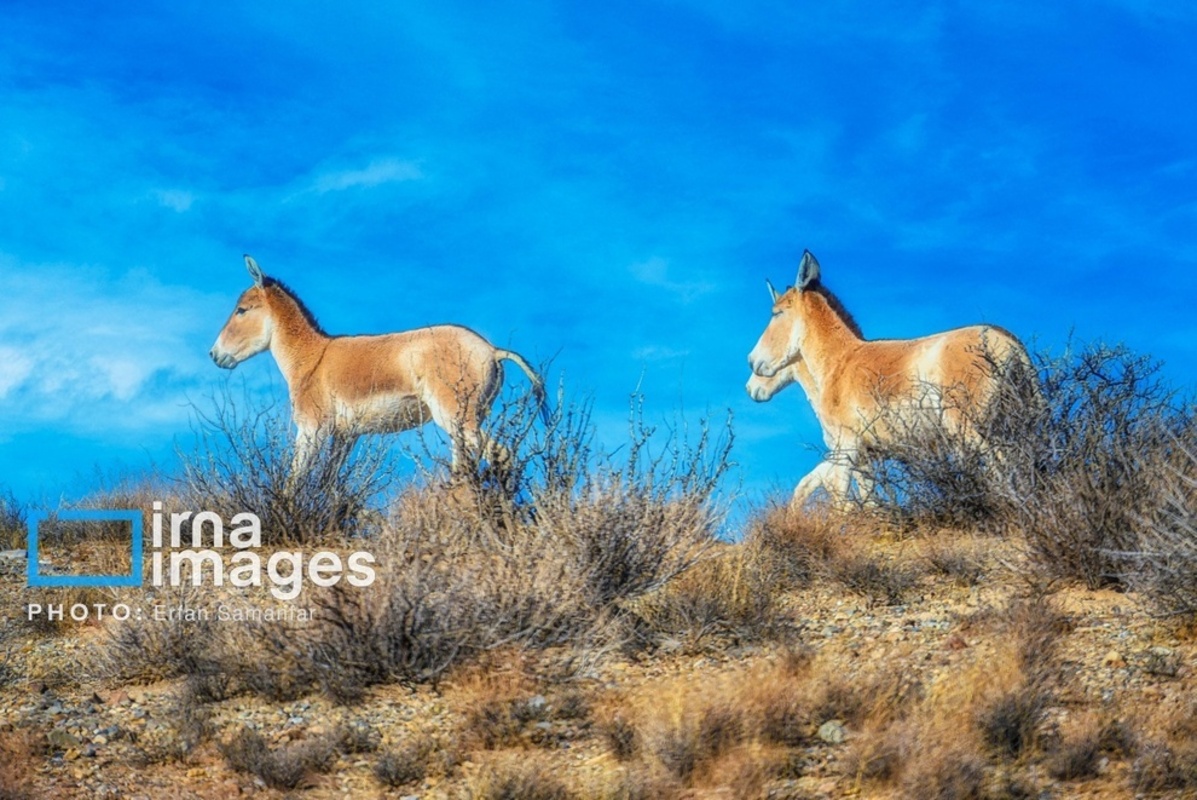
(605, 730)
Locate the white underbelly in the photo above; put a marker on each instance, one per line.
(383, 413)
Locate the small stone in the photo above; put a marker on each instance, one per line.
(832, 731)
(59, 739)
(1113, 659)
(1162, 661)
(956, 642)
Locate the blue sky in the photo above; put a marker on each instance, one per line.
(605, 184)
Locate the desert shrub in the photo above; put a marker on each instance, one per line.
(1077, 458)
(947, 774)
(1164, 564)
(802, 547)
(1167, 770)
(472, 566)
(518, 779)
(19, 755)
(880, 582)
(1076, 759)
(622, 738)
(470, 569)
(732, 598)
(285, 767)
(963, 564)
(405, 764)
(696, 737)
(242, 461)
(1010, 722)
(929, 474)
(13, 517)
(1102, 460)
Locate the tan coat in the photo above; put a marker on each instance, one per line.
(345, 386)
(865, 393)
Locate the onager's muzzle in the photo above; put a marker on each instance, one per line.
(222, 359)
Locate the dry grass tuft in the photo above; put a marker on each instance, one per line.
(19, 754)
(13, 518)
(878, 581)
(734, 597)
(286, 767)
(958, 737)
(962, 561)
(1010, 722)
(1162, 769)
(945, 773)
(517, 778)
(406, 764)
(623, 740)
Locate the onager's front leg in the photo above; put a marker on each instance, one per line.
(307, 442)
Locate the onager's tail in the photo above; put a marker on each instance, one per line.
(538, 391)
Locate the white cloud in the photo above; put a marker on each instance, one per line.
(175, 199)
(656, 352)
(83, 351)
(657, 272)
(387, 170)
(15, 367)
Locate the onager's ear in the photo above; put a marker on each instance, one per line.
(255, 271)
(808, 270)
(772, 291)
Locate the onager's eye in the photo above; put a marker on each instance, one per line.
(240, 310)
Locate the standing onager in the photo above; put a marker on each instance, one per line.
(866, 394)
(344, 386)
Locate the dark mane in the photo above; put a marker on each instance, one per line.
(303, 309)
(836, 306)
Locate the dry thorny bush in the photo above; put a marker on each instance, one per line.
(552, 550)
(242, 461)
(553, 555)
(1090, 468)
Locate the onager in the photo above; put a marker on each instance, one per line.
(865, 393)
(345, 386)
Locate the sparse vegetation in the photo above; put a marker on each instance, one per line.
(285, 767)
(567, 624)
(242, 459)
(13, 517)
(1092, 471)
(404, 765)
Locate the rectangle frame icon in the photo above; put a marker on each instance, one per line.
(132, 516)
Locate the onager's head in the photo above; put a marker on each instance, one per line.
(249, 327)
(781, 343)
